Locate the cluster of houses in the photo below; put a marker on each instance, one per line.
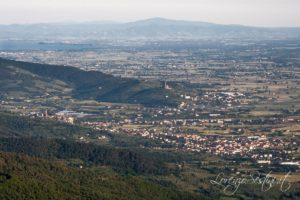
(66, 116)
(261, 149)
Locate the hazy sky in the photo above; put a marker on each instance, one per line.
(247, 12)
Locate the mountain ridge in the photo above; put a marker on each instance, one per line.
(147, 20)
(153, 28)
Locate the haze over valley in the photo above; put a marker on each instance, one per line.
(150, 107)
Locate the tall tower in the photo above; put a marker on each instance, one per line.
(167, 87)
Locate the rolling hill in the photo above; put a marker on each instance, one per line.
(30, 79)
(25, 177)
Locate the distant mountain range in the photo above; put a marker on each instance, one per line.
(149, 29)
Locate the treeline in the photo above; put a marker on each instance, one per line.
(124, 160)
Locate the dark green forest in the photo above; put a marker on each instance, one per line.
(24, 177)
